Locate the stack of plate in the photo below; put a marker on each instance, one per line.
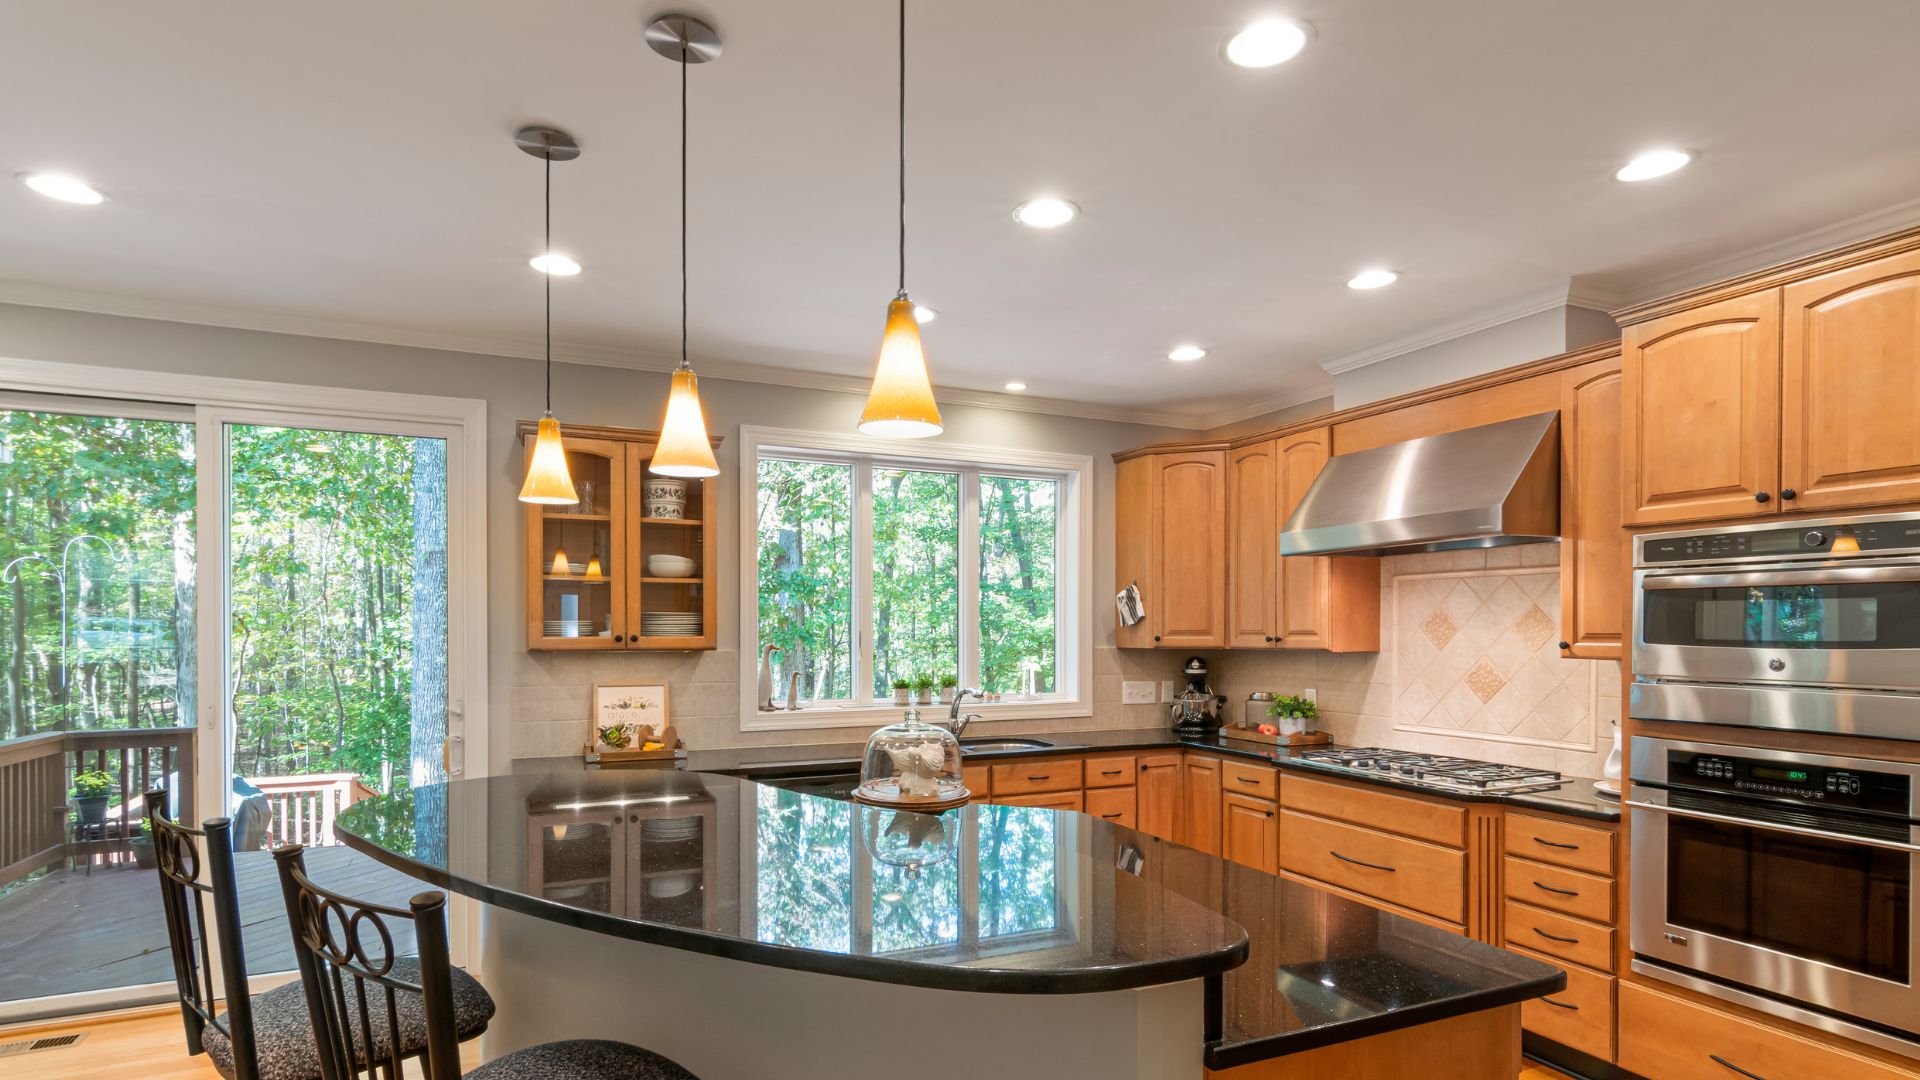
(670, 830)
(570, 628)
(669, 624)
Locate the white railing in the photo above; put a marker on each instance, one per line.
(304, 806)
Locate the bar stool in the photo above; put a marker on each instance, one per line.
(262, 1036)
(345, 949)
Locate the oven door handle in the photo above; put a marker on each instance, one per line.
(1769, 826)
(1835, 575)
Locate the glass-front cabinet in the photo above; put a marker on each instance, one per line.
(631, 564)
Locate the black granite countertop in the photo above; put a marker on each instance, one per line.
(1576, 796)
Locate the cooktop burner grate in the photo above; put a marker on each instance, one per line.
(1433, 770)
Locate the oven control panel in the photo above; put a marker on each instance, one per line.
(1860, 789)
(1803, 540)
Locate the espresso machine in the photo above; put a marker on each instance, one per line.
(1196, 709)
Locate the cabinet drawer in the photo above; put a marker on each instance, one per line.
(1254, 781)
(1033, 777)
(1113, 804)
(1560, 889)
(1676, 1039)
(1560, 935)
(1558, 842)
(979, 781)
(1409, 873)
(1581, 1016)
(1112, 770)
(1065, 800)
(1422, 820)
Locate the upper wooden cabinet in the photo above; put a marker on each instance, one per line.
(1171, 540)
(1850, 386)
(1593, 547)
(593, 578)
(1253, 546)
(1701, 425)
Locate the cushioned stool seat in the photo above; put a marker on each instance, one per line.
(581, 1059)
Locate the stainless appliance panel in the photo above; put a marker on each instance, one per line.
(1782, 708)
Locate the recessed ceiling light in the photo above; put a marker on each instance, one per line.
(924, 314)
(554, 263)
(63, 187)
(1016, 387)
(1372, 279)
(1266, 43)
(1186, 354)
(1654, 164)
(1045, 213)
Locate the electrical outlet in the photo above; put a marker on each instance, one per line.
(1136, 693)
(1166, 689)
(1311, 695)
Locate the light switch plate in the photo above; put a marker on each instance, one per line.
(1166, 689)
(1136, 693)
(1311, 695)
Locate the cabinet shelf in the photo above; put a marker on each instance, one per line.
(577, 517)
(571, 580)
(673, 581)
(671, 521)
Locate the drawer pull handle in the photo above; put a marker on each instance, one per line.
(1556, 937)
(1723, 1062)
(1552, 843)
(1111, 816)
(1112, 772)
(1368, 865)
(1561, 892)
(1559, 1004)
(1048, 777)
(1247, 780)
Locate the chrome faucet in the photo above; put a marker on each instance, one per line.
(957, 723)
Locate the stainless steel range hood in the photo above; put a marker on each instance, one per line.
(1482, 487)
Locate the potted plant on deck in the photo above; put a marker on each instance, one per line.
(902, 692)
(949, 686)
(923, 689)
(90, 793)
(142, 845)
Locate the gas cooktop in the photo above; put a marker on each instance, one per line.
(1436, 771)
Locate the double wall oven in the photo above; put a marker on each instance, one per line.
(1782, 880)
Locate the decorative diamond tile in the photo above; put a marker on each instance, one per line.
(1484, 681)
(1535, 627)
(1439, 628)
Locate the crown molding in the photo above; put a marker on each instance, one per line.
(1484, 319)
(31, 294)
(1267, 405)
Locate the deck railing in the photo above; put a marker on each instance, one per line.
(304, 806)
(37, 771)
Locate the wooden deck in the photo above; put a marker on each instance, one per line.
(69, 931)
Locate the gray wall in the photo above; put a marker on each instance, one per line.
(1517, 341)
(538, 702)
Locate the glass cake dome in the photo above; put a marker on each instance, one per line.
(912, 765)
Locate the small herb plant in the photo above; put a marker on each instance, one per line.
(923, 682)
(948, 682)
(1293, 706)
(615, 736)
(91, 785)
(903, 684)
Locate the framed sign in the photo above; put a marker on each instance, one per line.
(630, 713)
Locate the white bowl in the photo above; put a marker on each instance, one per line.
(669, 566)
(662, 508)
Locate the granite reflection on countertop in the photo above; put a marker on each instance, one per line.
(1576, 796)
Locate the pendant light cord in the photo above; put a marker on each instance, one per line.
(547, 250)
(684, 365)
(903, 149)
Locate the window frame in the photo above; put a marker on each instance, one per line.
(1073, 569)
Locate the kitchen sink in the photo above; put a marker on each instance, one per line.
(989, 746)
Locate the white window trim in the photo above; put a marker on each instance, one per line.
(1074, 591)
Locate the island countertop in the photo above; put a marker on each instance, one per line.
(1030, 901)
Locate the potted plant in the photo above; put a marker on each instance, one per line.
(142, 845)
(923, 689)
(949, 686)
(1297, 713)
(90, 793)
(903, 691)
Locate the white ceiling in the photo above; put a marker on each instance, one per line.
(347, 168)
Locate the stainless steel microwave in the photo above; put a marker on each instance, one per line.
(1809, 625)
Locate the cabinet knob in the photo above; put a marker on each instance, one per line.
(617, 639)
(1564, 646)
(1269, 637)
(1788, 494)
(1156, 637)
(1761, 496)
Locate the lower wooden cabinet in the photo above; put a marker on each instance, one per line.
(1673, 1038)
(1581, 1016)
(1060, 800)
(1200, 803)
(1157, 793)
(1115, 804)
(1408, 873)
(1250, 831)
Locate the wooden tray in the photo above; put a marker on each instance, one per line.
(1305, 738)
(667, 756)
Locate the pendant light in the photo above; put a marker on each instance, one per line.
(900, 404)
(547, 481)
(684, 449)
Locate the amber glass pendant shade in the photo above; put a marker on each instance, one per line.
(900, 405)
(684, 449)
(547, 481)
(561, 567)
(594, 573)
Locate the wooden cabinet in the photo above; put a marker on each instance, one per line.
(1200, 803)
(1253, 547)
(1115, 804)
(1250, 832)
(1034, 776)
(1674, 1038)
(1157, 794)
(1060, 800)
(1171, 542)
(1850, 387)
(1581, 1016)
(592, 584)
(1594, 548)
(1701, 426)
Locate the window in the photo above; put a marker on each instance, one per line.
(880, 562)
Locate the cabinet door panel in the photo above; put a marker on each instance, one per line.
(1157, 795)
(1253, 546)
(1702, 412)
(601, 607)
(1593, 548)
(1115, 804)
(1190, 587)
(1303, 579)
(1200, 816)
(1850, 377)
(1249, 832)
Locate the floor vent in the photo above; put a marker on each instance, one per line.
(50, 1042)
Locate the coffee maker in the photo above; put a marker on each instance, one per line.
(1196, 709)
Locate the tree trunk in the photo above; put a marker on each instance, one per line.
(428, 707)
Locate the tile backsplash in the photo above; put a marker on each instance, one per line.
(1469, 664)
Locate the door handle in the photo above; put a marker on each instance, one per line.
(1368, 865)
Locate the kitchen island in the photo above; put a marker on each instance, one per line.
(751, 930)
